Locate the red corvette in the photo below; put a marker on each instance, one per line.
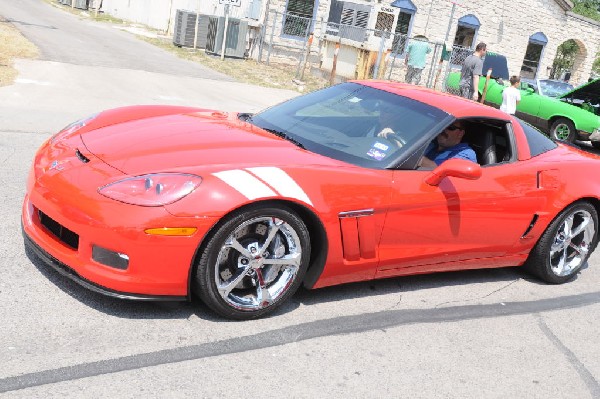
(159, 202)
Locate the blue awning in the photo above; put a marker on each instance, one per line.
(405, 5)
(538, 38)
(470, 21)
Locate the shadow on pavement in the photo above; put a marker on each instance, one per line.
(182, 310)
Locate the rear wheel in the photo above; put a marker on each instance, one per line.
(566, 244)
(563, 129)
(254, 262)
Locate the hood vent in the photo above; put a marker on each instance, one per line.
(81, 157)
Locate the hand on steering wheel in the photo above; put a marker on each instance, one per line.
(391, 136)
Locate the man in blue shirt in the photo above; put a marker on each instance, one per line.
(446, 146)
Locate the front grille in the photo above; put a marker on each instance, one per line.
(65, 235)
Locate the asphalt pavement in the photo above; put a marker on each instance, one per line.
(475, 334)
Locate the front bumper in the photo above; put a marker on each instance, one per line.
(595, 136)
(72, 274)
(159, 266)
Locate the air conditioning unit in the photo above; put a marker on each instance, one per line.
(81, 4)
(235, 43)
(185, 28)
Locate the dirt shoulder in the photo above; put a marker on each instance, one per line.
(12, 45)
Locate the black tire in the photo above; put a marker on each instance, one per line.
(563, 129)
(559, 243)
(231, 277)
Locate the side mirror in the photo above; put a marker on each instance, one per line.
(460, 168)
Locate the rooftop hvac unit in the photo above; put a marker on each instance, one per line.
(81, 4)
(235, 43)
(185, 28)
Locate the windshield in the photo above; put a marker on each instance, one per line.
(553, 88)
(345, 122)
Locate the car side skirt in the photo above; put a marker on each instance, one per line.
(72, 274)
(472, 264)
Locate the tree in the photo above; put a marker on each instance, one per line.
(596, 65)
(587, 8)
(565, 58)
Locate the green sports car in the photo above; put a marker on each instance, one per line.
(574, 115)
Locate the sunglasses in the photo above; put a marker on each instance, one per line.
(453, 128)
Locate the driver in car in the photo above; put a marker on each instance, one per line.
(448, 145)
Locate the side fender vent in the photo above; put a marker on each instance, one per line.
(358, 234)
(531, 225)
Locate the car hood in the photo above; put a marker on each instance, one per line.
(187, 142)
(589, 92)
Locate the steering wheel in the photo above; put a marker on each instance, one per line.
(391, 136)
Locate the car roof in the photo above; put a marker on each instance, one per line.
(454, 105)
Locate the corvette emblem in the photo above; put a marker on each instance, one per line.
(57, 165)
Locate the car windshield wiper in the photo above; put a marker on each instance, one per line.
(285, 136)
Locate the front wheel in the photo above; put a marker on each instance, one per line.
(566, 244)
(563, 129)
(253, 263)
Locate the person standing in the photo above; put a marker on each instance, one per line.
(416, 58)
(469, 74)
(511, 96)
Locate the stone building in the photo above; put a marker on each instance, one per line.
(527, 32)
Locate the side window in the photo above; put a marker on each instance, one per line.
(490, 141)
(298, 18)
(466, 31)
(403, 27)
(533, 55)
(538, 142)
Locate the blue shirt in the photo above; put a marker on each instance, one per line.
(461, 150)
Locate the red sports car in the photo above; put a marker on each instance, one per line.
(162, 202)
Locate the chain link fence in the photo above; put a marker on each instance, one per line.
(456, 59)
(309, 46)
(287, 39)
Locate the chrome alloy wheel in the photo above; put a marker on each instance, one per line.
(258, 263)
(572, 242)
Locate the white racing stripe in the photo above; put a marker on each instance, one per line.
(281, 182)
(248, 185)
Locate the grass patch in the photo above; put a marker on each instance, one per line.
(247, 71)
(12, 45)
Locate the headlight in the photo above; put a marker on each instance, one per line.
(73, 127)
(154, 189)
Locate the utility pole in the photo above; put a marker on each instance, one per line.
(450, 21)
(196, 28)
